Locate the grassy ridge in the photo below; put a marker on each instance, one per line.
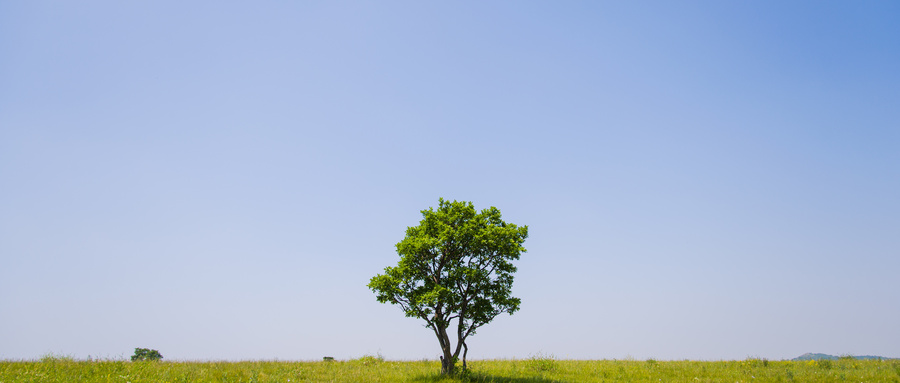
(369, 369)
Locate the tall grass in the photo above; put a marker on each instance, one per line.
(376, 369)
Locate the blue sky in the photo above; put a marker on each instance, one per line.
(219, 180)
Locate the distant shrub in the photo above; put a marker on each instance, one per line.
(824, 364)
(145, 354)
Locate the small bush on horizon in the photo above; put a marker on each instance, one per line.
(145, 354)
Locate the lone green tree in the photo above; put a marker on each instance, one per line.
(455, 265)
(145, 354)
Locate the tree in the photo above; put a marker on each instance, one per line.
(145, 354)
(456, 264)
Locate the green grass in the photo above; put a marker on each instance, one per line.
(376, 369)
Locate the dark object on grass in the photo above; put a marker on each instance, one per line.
(328, 358)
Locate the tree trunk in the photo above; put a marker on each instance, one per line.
(448, 362)
(448, 367)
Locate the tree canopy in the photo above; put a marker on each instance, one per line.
(455, 265)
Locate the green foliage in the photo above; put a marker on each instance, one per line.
(145, 354)
(456, 264)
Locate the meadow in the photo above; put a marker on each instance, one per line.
(375, 369)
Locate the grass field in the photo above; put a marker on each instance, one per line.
(374, 369)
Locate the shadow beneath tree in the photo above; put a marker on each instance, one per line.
(476, 377)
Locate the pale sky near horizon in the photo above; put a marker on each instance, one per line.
(219, 180)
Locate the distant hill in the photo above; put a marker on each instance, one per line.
(812, 356)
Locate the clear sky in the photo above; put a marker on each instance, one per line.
(219, 180)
